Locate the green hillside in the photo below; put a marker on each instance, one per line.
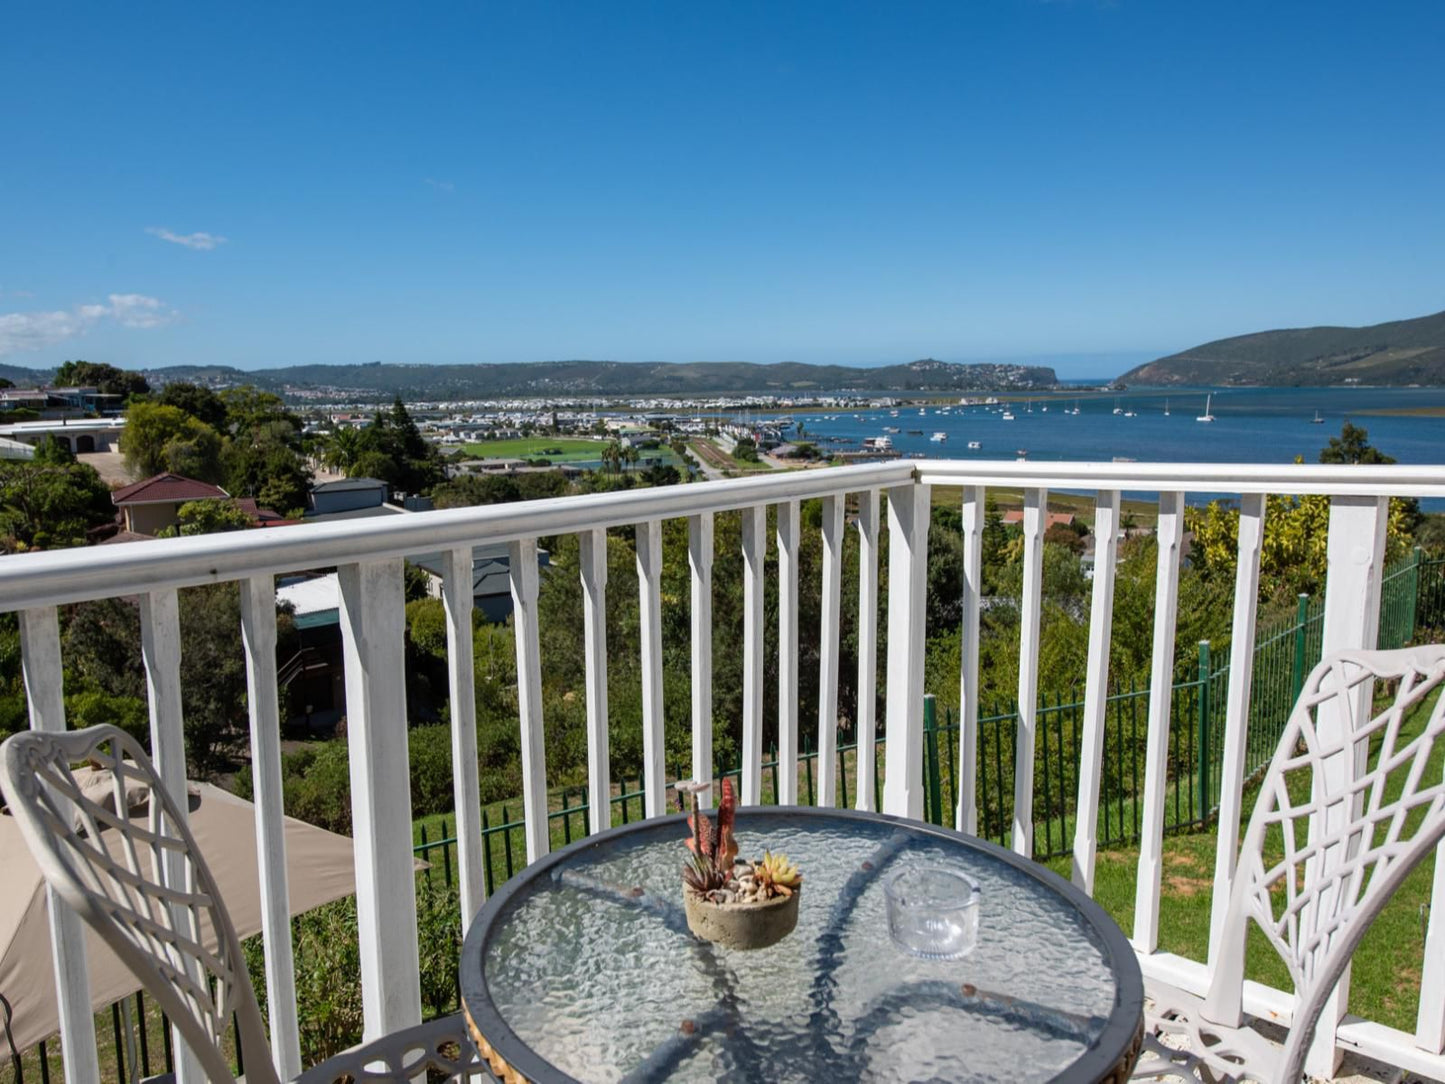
(1400, 352)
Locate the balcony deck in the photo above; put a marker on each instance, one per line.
(369, 559)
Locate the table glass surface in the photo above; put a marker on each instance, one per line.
(592, 966)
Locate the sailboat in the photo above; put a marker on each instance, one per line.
(1206, 416)
(1166, 408)
(1317, 420)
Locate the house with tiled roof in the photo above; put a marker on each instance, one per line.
(149, 506)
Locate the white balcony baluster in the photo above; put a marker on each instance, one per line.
(908, 513)
(1096, 687)
(457, 587)
(373, 627)
(1430, 1018)
(160, 632)
(593, 555)
(649, 581)
(1236, 713)
(865, 729)
(787, 653)
(41, 671)
(258, 640)
(522, 570)
(830, 612)
(754, 550)
(1036, 506)
(699, 560)
(1148, 881)
(965, 817)
(1355, 558)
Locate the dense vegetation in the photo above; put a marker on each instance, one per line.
(380, 381)
(1400, 352)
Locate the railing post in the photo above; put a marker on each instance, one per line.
(373, 627)
(1201, 740)
(699, 559)
(908, 514)
(965, 817)
(592, 554)
(1149, 878)
(787, 790)
(258, 638)
(866, 727)
(1355, 560)
(1036, 511)
(830, 611)
(522, 571)
(43, 675)
(754, 525)
(1096, 690)
(1301, 664)
(649, 580)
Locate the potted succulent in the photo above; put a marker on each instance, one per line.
(736, 902)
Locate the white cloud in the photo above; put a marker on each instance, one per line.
(203, 241)
(25, 331)
(440, 186)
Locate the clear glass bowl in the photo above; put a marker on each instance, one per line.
(932, 913)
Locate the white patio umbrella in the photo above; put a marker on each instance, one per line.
(319, 869)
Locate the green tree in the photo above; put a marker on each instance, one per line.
(746, 450)
(44, 505)
(107, 378)
(208, 517)
(1353, 446)
(200, 403)
(159, 438)
(51, 453)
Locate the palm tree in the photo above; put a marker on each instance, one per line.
(612, 456)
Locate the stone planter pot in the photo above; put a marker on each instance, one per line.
(742, 925)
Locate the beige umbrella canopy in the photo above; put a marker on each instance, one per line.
(319, 869)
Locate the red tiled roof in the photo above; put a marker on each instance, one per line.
(167, 487)
(1056, 519)
(262, 517)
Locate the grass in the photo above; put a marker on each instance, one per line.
(557, 449)
(1145, 513)
(1385, 972)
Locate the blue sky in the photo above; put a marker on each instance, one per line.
(1087, 183)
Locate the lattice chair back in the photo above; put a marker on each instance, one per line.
(1345, 812)
(116, 847)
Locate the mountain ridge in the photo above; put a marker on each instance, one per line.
(1398, 352)
(584, 378)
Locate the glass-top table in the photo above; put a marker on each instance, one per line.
(582, 967)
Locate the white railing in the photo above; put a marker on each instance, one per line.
(369, 558)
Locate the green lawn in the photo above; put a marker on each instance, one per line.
(557, 449)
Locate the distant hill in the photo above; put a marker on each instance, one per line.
(568, 378)
(1400, 352)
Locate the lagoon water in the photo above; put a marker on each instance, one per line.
(1252, 425)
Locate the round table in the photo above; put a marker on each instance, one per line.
(582, 967)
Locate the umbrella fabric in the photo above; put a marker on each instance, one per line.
(319, 870)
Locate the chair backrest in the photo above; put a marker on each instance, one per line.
(117, 849)
(1345, 812)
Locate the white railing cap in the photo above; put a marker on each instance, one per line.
(74, 575)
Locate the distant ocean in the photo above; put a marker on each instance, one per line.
(1252, 425)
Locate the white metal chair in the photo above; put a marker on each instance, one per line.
(157, 906)
(1347, 847)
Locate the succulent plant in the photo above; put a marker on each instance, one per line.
(777, 875)
(702, 876)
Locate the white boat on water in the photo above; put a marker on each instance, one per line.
(939, 437)
(877, 444)
(975, 444)
(1166, 408)
(1206, 416)
(1008, 415)
(1076, 407)
(1117, 408)
(1317, 419)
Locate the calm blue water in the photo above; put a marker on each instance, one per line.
(1252, 425)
